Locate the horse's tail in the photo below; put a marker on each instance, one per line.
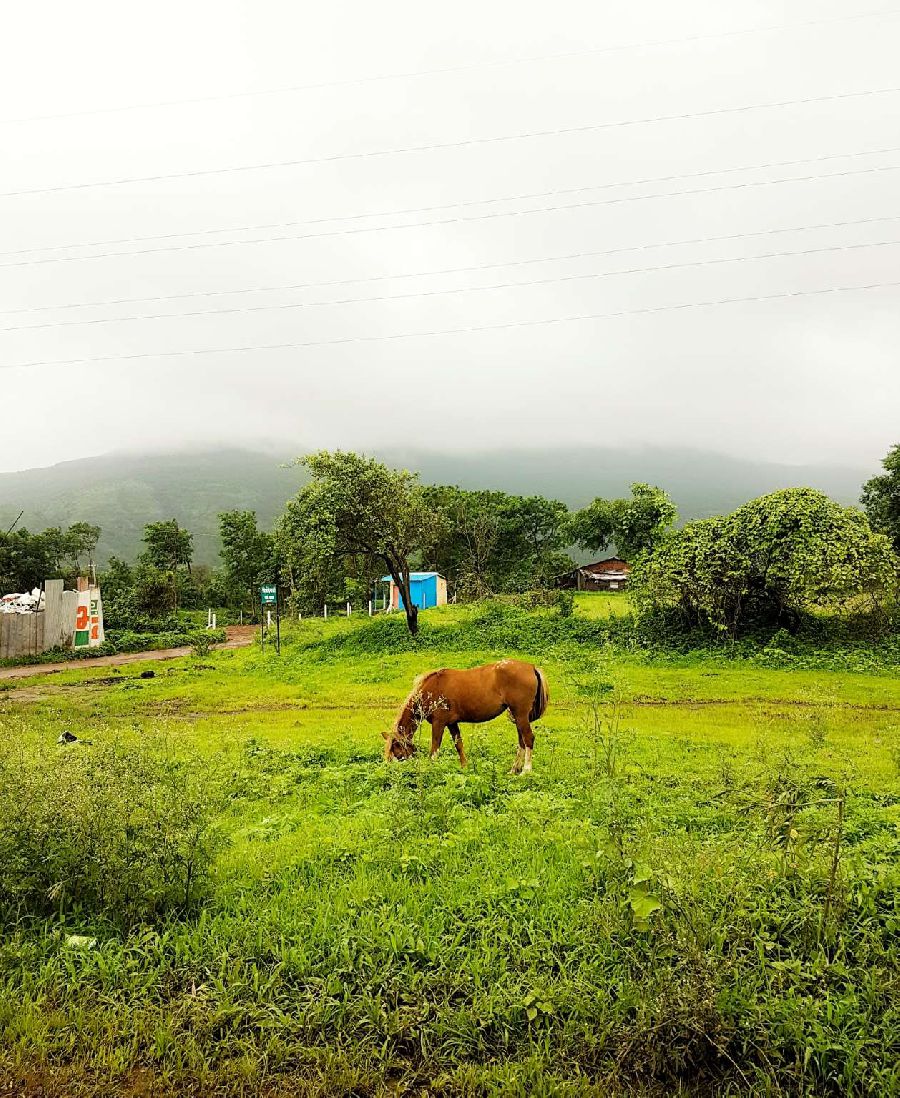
(541, 696)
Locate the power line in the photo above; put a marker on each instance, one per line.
(455, 290)
(452, 220)
(468, 142)
(450, 69)
(452, 205)
(448, 331)
(450, 270)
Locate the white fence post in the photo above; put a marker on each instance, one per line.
(215, 619)
(269, 621)
(326, 609)
(348, 609)
(370, 608)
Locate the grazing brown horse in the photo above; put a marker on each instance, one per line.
(446, 697)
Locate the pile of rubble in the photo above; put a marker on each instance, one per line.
(22, 603)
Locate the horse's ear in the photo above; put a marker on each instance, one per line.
(385, 735)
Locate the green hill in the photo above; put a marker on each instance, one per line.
(121, 492)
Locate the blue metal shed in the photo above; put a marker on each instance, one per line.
(426, 589)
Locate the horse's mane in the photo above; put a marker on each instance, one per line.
(413, 696)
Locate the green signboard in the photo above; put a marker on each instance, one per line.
(268, 593)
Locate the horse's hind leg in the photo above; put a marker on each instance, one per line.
(522, 764)
(520, 753)
(457, 742)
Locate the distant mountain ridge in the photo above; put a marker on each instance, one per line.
(122, 492)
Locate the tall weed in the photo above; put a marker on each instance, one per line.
(123, 833)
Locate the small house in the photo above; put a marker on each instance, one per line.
(426, 589)
(604, 575)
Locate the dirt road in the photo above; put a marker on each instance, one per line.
(238, 637)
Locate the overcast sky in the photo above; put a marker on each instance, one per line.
(810, 378)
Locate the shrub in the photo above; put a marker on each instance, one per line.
(772, 561)
(543, 598)
(123, 833)
(201, 644)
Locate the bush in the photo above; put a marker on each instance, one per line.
(111, 831)
(543, 598)
(772, 562)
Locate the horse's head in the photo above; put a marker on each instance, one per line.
(398, 745)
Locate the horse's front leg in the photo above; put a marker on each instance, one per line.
(438, 724)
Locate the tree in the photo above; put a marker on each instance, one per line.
(881, 498)
(82, 541)
(169, 547)
(358, 513)
(25, 560)
(464, 547)
(634, 525)
(769, 562)
(248, 554)
(541, 526)
(492, 541)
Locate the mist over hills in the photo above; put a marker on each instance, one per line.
(122, 492)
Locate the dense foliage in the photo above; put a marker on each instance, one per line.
(769, 562)
(249, 559)
(766, 565)
(168, 554)
(490, 542)
(881, 498)
(633, 525)
(27, 559)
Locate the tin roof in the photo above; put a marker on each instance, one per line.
(414, 576)
(611, 564)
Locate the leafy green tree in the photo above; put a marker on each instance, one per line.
(541, 526)
(82, 538)
(358, 514)
(26, 560)
(491, 541)
(881, 498)
(121, 603)
(770, 561)
(56, 551)
(169, 548)
(248, 555)
(695, 572)
(634, 525)
(168, 545)
(465, 543)
(303, 538)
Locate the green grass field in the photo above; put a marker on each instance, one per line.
(695, 892)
